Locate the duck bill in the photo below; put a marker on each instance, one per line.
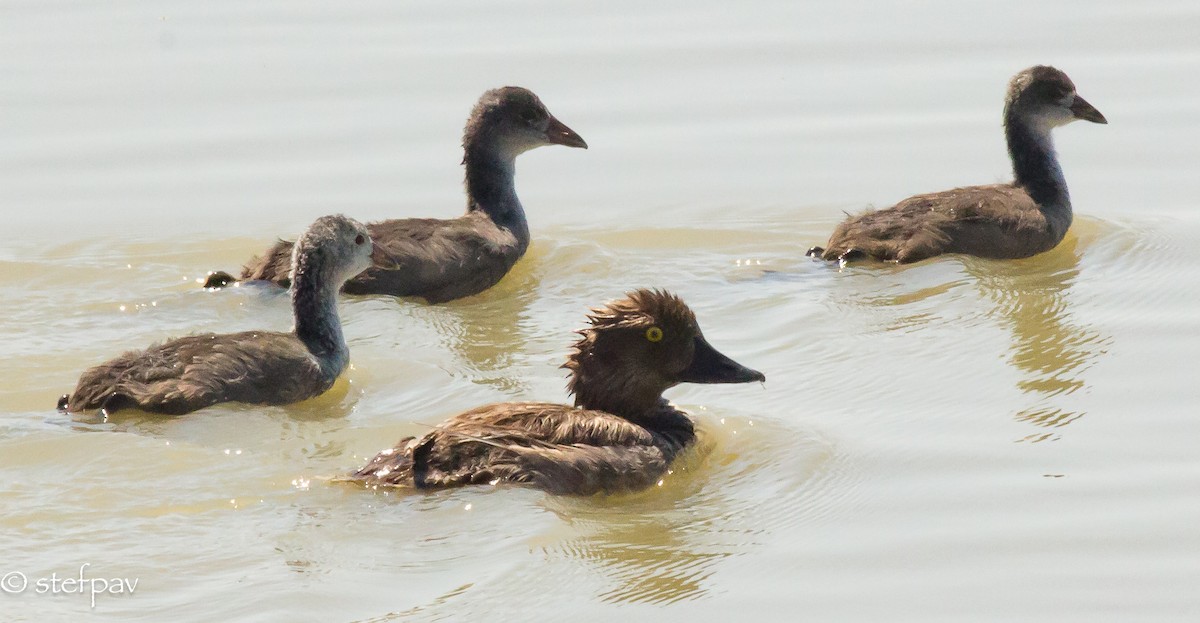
(559, 134)
(1083, 110)
(710, 366)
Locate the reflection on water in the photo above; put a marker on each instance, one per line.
(645, 550)
(488, 332)
(1050, 347)
(662, 546)
(415, 611)
(645, 562)
(648, 559)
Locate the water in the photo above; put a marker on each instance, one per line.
(956, 440)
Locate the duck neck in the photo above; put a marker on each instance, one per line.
(1035, 164)
(613, 390)
(314, 305)
(491, 189)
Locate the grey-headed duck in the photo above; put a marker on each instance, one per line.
(1028, 216)
(621, 435)
(445, 259)
(259, 367)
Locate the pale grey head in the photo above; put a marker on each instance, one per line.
(259, 367)
(1045, 98)
(509, 121)
(334, 248)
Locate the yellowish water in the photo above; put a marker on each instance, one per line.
(956, 440)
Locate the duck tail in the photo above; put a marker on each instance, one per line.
(275, 266)
(218, 279)
(393, 467)
(111, 404)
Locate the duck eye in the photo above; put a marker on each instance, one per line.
(654, 334)
(529, 116)
(359, 239)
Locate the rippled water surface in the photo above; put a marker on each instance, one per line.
(957, 440)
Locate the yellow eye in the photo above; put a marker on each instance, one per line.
(654, 334)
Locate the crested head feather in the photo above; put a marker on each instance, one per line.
(639, 308)
(643, 307)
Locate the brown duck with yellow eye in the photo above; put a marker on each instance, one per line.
(445, 259)
(621, 435)
(1002, 221)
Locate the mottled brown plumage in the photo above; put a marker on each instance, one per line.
(441, 260)
(1003, 221)
(621, 435)
(185, 374)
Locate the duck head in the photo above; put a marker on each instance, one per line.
(510, 121)
(1045, 98)
(638, 347)
(332, 250)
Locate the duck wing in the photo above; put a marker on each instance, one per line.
(275, 265)
(190, 373)
(553, 447)
(998, 221)
(437, 259)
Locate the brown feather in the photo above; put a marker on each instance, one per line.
(1002, 221)
(445, 259)
(621, 435)
(259, 367)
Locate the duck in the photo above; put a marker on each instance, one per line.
(620, 435)
(441, 260)
(186, 374)
(1020, 219)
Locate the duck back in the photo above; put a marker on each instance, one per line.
(190, 373)
(553, 447)
(999, 221)
(436, 259)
